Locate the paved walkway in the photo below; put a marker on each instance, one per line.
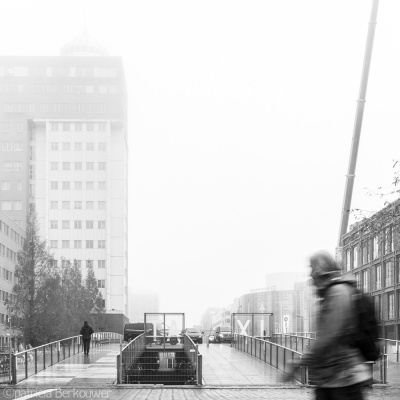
(98, 368)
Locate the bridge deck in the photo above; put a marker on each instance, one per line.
(222, 366)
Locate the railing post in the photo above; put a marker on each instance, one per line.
(44, 357)
(397, 351)
(26, 365)
(119, 356)
(13, 365)
(35, 361)
(199, 370)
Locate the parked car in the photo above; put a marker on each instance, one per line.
(133, 330)
(212, 338)
(195, 334)
(223, 334)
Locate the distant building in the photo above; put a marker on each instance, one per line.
(12, 239)
(141, 303)
(63, 147)
(371, 254)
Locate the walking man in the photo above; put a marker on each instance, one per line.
(86, 332)
(337, 365)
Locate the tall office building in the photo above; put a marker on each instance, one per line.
(63, 142)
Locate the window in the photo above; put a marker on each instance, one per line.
(66, 146)
(90, 146)
(90, 166)
(365, 252)
(377, 301)
(102, 244)
(78, 166)
(89, 244)
(90, 205)
(78, 127)
(65, 205)
(102, 166)
(90, 126)
(66, 166)
(54, 244)
(355, 257)
(66, 185)
(54, 205)
(78, 185)
(5, 185)
(389, 273)
(102, 205)
(78, 205)
(17, 205)
(101, 283)
(54, 146)
(6, 205)
(17, 146)
(77, 244)
(102, 147)
(89, 263)
(53, 224)
(7, 166)
(65, 224)
(19, 185)
(101, 263)
(391, 305)
(389, 241)
(365, 275)
(17, 166)
(89, 185)
(89, 224)
(53, 185)
(101, 224)
(65, 244)
(78, 146)
(77, 224)
(347, 260)
(102, 185)
(66, 126)
(78, 263)
(54, 166)
(378, 277)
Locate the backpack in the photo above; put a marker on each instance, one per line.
(366, 337)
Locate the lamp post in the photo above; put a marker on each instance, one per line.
(9, 342)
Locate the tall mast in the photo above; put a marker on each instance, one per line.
(348, 191)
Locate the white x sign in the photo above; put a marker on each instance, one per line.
(243, 328)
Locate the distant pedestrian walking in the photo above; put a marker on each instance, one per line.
(337, 363)
(86, 332)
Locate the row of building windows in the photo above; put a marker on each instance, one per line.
(68, 108)
(78, 185)
(379, 276)
(65, 224)
(385, 305)
(78, 126)
(78, 72)
(11, 146)
(46, 88)
(89, 244)
(78, 146)
(10, 127)
(8, 205)
(14, 236)
(368, 250)
(66, 166)
(7, 297)
(6, 185)
(6, 252)
(12, 165)
(89, 263)
(66, 205)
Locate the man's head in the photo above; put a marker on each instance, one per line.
(323, 268)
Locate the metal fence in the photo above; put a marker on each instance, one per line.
(384, 370)
(273, 354)
(29, 362)
(161, 362)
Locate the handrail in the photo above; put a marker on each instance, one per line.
(31, 361)
(278, 356)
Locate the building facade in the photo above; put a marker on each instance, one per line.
(12, 239)
(63, 141)
(371, 253)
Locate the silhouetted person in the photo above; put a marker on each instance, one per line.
(337, 365)
(86, 332)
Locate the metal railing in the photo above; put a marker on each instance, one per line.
(273, 354)
(29, 362)
(380, 368)
(140, 362)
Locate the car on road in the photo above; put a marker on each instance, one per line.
(195, 334)
(133, 330)
(211, 337)
(223, 334)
